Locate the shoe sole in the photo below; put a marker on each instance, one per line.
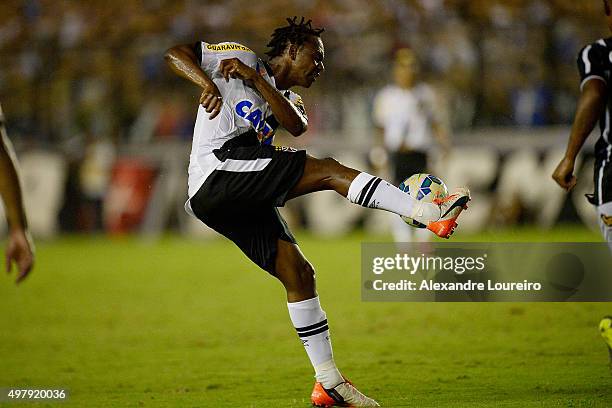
(443, 230)
(332, 403)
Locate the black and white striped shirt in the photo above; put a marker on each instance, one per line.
(595, 63)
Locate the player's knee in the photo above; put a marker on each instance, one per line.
(299, 279)
(304, 275)
(334, 171)
(307, 275)
(331, 164)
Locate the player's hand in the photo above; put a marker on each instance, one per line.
(20, 250)
(234, 68)
(564, 174)
(211, 100)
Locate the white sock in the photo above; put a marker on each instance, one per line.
(310, 322)
(374, 192)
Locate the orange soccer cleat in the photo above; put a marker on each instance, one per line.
(342, 395)
(450, 207)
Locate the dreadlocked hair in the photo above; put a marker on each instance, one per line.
(295, 33)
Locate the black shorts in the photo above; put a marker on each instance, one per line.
(405, 164)
(241, 203)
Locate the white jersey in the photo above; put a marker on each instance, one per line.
(244, 109)
(406, 115)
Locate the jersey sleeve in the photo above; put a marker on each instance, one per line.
(593, 63)
(210, 55)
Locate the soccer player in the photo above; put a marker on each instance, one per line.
(405, 111)
(237, 178)
(19, 249)
(594, 105)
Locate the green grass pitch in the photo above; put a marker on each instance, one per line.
(178, 323)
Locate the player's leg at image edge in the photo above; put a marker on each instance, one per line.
(604, 213)
(605, 328)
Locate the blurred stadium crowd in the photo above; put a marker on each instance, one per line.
(95, 69)
(86, 79)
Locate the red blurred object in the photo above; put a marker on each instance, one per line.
(128, 195)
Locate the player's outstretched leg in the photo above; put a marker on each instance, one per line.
(373, 192)
(310, 322)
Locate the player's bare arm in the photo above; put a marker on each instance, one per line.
(590, 106)
(183, 61)
(20, 249)
(285, 112)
